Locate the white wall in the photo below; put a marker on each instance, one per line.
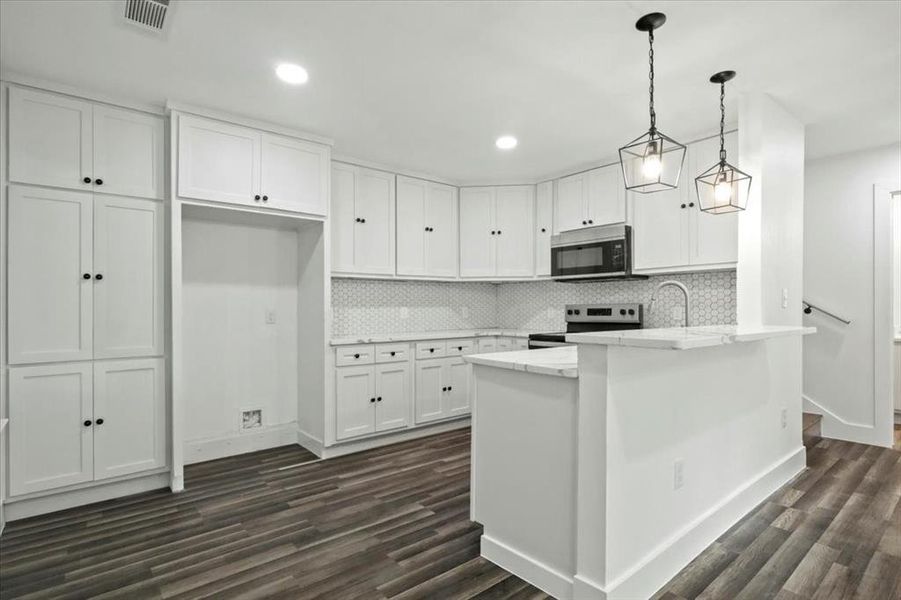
(233, 359)
(838, 275)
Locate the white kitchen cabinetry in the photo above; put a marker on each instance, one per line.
(544, 225)
(442, 388)
(85, 276)
(458, 377)
(60, 141)
(427, 239)
(669, 230)
(223, 162)
(363, 225)
(588, 199)
(72, 423)
(497, 231)
(372, 399)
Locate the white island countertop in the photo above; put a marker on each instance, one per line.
(412, 336)
(685, 338)
(562, 361)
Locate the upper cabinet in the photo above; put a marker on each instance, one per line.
(59, 141)
(497, 237)
(222, 162)
(362, 220)
(544, 218)
(669, 230)
(427, 241)
(595, 197)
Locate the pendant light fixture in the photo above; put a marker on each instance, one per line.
(722, 188)
(651, 162)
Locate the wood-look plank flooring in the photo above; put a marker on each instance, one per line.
(394, 523)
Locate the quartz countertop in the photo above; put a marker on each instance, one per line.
(562, 361)
(685, 338)
(380, 338)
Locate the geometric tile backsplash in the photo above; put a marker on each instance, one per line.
(368, 306)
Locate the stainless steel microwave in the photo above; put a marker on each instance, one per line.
(592, 254)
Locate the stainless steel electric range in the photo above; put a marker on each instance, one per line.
(591, 317)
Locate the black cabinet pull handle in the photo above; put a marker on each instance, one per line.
(99, 421)
(87, 180)
(98, 276)
(87, 423)
(86, 276)
(256, 197)
(98, 181)
(356, 356)
(265, 198)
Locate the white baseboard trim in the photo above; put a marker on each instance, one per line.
(667, 559)
(30, 507)
(835, 427)
(528, 569)
(384, 440)
(236, 443)
(311, 443)
(673, 554)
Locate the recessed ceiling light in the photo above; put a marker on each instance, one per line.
(291, 73)
(506, 142)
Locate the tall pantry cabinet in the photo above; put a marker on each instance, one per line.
(85, 235)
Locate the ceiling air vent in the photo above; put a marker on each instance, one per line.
(148, 14)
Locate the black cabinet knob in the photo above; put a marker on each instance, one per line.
(499, 232)
(87, 423)
(98, 276)
(86, 276)
(450, 387)
(256, 197)
(460, 348)
(431, 349)
(379, 399)
(493, 232)
(265, 198)
(683, 206)
(392, 353)
(356, 356)
(98, 181)
(87, 180)
(372, 400)
(543, 230)
(357, 219)
(100, 421)
(444, 389)
(363, 220)
(691, 204)
(590, 222)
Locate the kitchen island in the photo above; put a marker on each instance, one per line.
(600, 470)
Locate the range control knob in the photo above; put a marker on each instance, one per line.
(569, 311)
(577, 311)
(631, 311)
(622, 311)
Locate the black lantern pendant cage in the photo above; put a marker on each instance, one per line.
(722, 188)
(653, 161)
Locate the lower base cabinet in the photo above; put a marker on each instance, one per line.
(442, 389)
(73, 423)
(372, 399)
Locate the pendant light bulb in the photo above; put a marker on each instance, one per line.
(722, 191)
(650, 165)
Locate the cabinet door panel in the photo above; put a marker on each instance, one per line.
(218, 161)
(459, 373)
(714, 238)
(294, 174)
(342, 217)
(130, 399)
(128, 301)
(49, 445)
(569, 206)
(50, 250)
(411, 234)
(544, 215)
(128, 152)
(355, 390)
(49, 139)
(392, 389)
(429, 396)
(442, 239)
(660, 229)
(515, 212)
(477, 244)
(374, 233)
(606, 196)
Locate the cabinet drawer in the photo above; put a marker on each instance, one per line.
(460, 347)
(520, 344)
(391, 353)
(488, 344)
(504, 344)
(355, 355)
(432, 349)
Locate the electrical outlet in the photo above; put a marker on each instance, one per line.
(678, 474)
(270, 316)
(404, 312)
(784, 297)
(784, 418)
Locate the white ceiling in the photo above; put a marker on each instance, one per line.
(428, 86)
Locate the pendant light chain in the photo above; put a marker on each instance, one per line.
(651, 78)
(722, 122)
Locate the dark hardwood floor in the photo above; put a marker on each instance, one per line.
(394, 523)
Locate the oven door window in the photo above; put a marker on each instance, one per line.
(595, 258)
